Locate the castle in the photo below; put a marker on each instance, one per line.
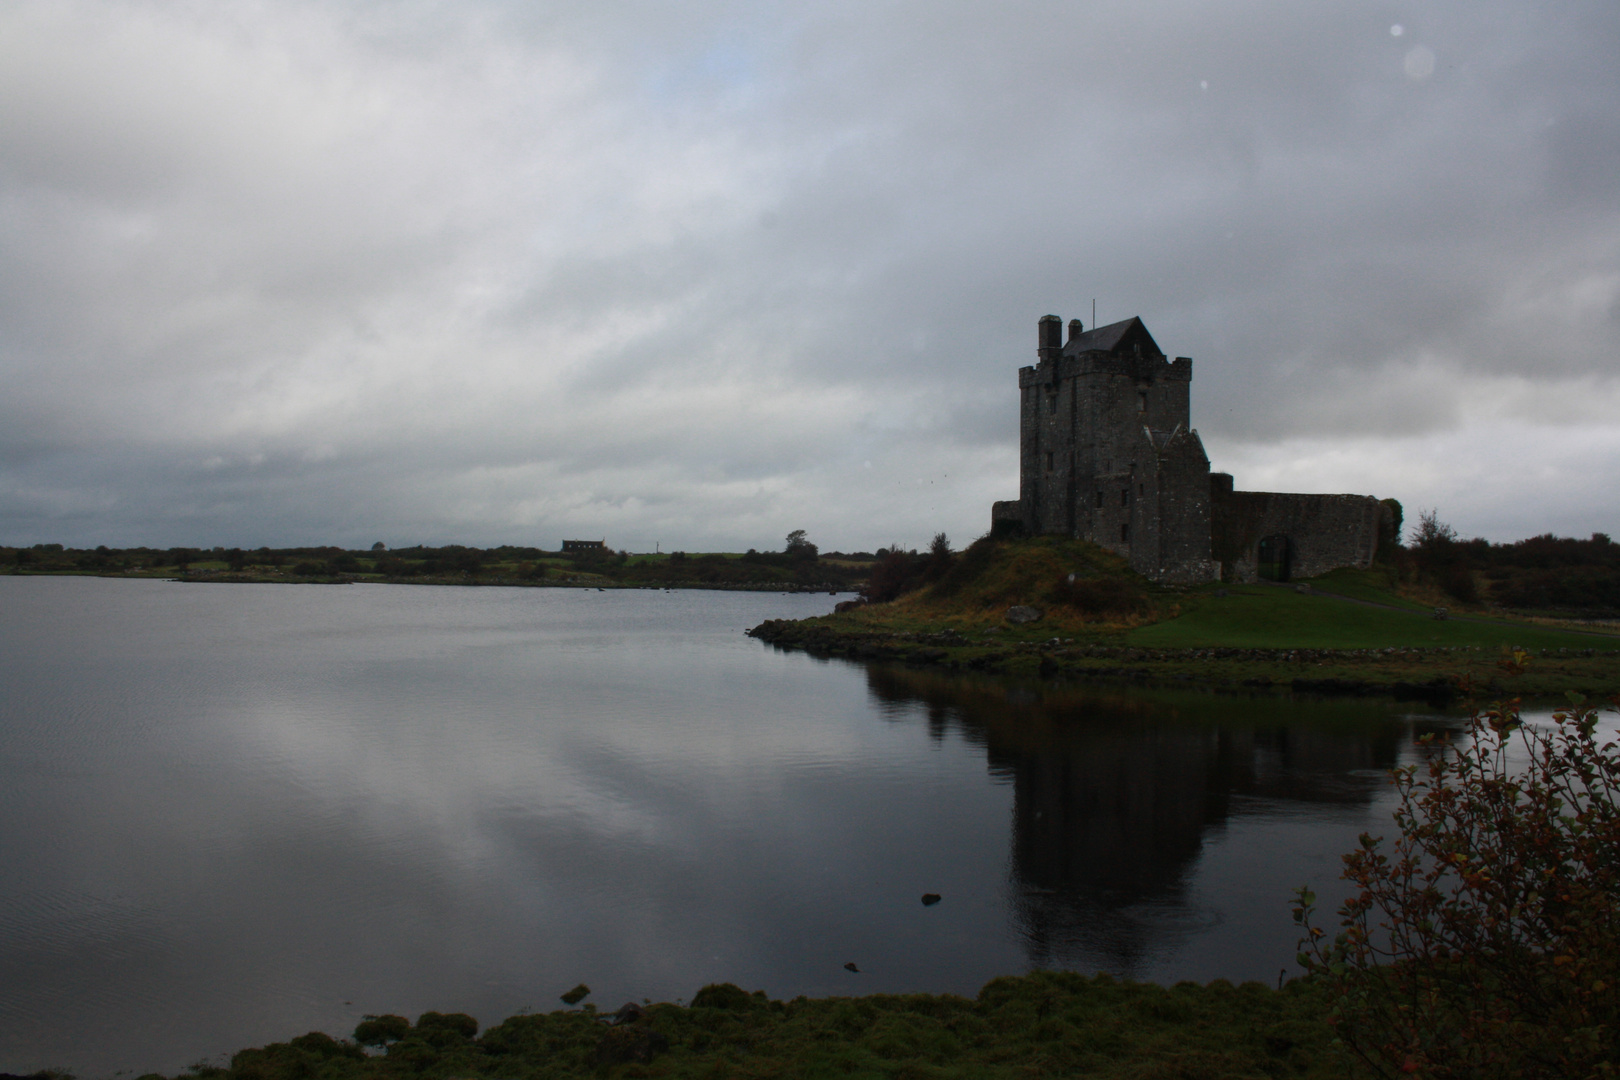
(1107, 454)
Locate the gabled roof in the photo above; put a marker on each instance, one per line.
(1120, 337)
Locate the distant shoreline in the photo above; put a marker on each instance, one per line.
(210, 578)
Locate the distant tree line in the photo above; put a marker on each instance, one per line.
(798, 563)
(1543, 573)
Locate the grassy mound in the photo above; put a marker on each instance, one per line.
(1071, 582)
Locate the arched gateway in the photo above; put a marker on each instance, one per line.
(1276, 558)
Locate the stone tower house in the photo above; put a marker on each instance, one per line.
(1107, 453)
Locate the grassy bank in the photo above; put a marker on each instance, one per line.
(1347, 632)
(1041, 1025)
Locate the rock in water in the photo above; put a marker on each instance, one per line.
(930, 899)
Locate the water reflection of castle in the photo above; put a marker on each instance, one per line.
(1114, 795)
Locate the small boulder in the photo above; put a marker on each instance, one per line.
(1020, 614)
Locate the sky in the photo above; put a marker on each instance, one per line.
(691, 276)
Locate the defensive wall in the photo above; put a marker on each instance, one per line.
(1302, 535)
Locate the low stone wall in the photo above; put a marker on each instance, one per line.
(1324, 532)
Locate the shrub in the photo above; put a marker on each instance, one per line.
(726, 996)
(380, 1030)
(458, 1024)
(893, 574)
(1486, 941)
(1458, 582)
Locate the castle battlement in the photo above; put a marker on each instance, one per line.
(1138, 368)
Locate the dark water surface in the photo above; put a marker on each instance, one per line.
(230, 814)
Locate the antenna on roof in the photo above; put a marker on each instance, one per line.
(1093, 311)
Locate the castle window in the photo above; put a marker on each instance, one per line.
(1049, 461)
(1051, 403)
(1141, 489)
(1125, 533)
(1125, 497)
(1099, 500)
(1141, 402)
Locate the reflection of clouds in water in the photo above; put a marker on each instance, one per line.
(417, 798)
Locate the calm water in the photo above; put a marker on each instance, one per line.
(232, 814)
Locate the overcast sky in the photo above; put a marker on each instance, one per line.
(695, 274)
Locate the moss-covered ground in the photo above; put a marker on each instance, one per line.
(1040, 1025)
(1346, 632)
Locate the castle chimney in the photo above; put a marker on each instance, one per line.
(1075, 330)
(1051, 337)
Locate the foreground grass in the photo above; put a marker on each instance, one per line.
(1041, 1025)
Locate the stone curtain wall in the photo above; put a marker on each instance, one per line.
(1324, 531)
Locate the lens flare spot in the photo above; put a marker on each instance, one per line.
(1419, 63)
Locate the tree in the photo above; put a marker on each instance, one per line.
(799, 548)
(939, 558)
(1432, 533)
(1486, 941)
(1444, 558)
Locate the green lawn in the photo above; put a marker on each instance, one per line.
(1269, 617)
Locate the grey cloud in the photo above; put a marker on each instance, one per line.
(606, 264)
